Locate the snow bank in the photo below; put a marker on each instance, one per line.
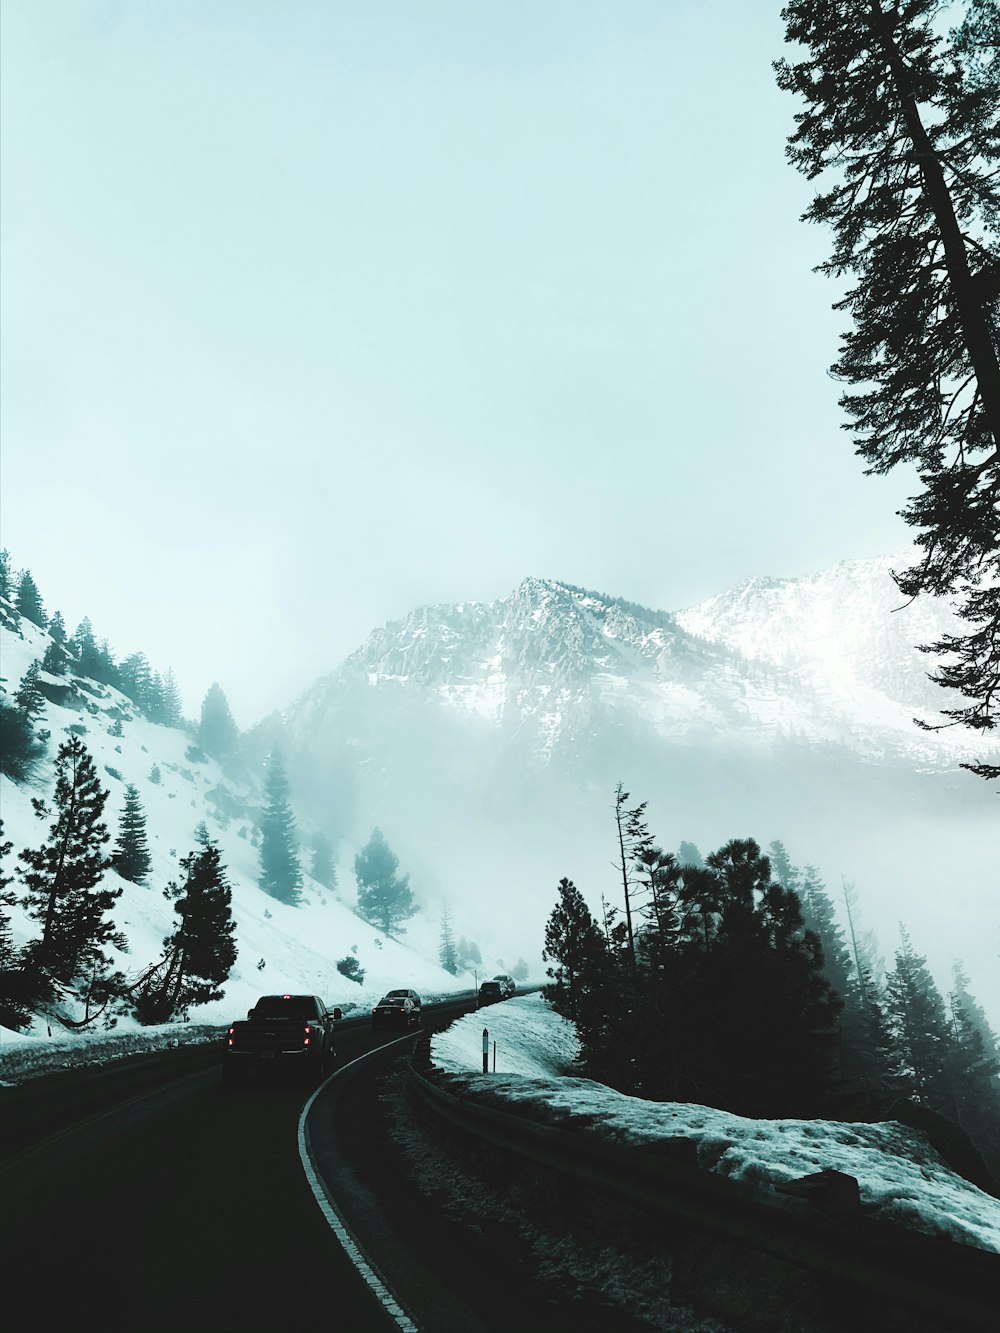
(900, 1176)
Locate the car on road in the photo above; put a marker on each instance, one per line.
(396, 1011)
(405, 993)
(490, 992)
(508, 984)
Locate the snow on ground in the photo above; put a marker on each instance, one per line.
(900, 1176)
(280, 948)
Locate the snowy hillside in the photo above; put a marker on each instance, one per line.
(280, 947)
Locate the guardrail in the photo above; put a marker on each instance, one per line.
(818, 1224)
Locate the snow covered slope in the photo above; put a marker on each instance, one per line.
(280, 947)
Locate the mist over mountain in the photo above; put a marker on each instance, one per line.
(486, 740)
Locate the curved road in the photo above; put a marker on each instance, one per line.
(143, 1196)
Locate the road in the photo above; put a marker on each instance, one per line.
(143, 1196)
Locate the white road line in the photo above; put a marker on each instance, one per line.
(337, 1223)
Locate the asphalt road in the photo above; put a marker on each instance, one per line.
(145, 1196)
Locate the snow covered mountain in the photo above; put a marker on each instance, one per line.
(828, 660)
(486, 739)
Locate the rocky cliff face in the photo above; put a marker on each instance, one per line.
(829, 660)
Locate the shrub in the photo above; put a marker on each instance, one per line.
(350, 968)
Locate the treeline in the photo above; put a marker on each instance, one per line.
(728, 981)
(80, 653)
(63, 887)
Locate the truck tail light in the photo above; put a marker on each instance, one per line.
(308, 1037)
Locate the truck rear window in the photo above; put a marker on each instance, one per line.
(270, 1009)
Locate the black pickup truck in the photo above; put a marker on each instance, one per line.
(280, 1032)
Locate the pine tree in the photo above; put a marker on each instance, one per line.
(170, 711)
(322, 868)
(56, 656)
(85, 651)
(55, 659)
(29, 697)
(28, 601)
(218, 734)
(6, 577)
(918, 1028)
(64, 877)
(21, 749)
(575, 944)
(384, 898)
(907, 123)
(200, 952)
(131, 853)
(447, 953)
(280, 872)
(689, 855)
(15, 1007)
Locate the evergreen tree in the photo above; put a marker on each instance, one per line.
(85, 651)
(918, 1028)
(55, 659)
(520, 970)
(974, 1068)
(29, 697)
(15, 996)
(322, 867)
(280, 873)
(384, 898)
(575, 944)
(65, 892)
(56, 654)
(57, 629)
(21, 749)
(218, 734)
(689, 855)
(131, 853)
(633, 838)
(906, 121)
(170, 707)
(447, 952)
(6, 577)
(134, 674)
(28, 601)
(200, 952)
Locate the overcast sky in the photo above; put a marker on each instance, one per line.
(316, 312)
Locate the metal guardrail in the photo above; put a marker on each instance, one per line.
(820, 1226)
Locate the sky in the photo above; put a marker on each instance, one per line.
(315, 313)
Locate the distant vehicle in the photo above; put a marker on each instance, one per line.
(280, 1032)
(396, 1010)
(490, 992)
(405, 993)
(508, 984)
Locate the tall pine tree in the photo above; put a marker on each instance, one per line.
(906, 123)
(918, 1029)
(200, 951)
(280, 871)
(28, 601)
(384, 898)
(64, 877)
(218, 734)
(131, 853)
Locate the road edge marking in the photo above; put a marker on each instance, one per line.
(336, 1222)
